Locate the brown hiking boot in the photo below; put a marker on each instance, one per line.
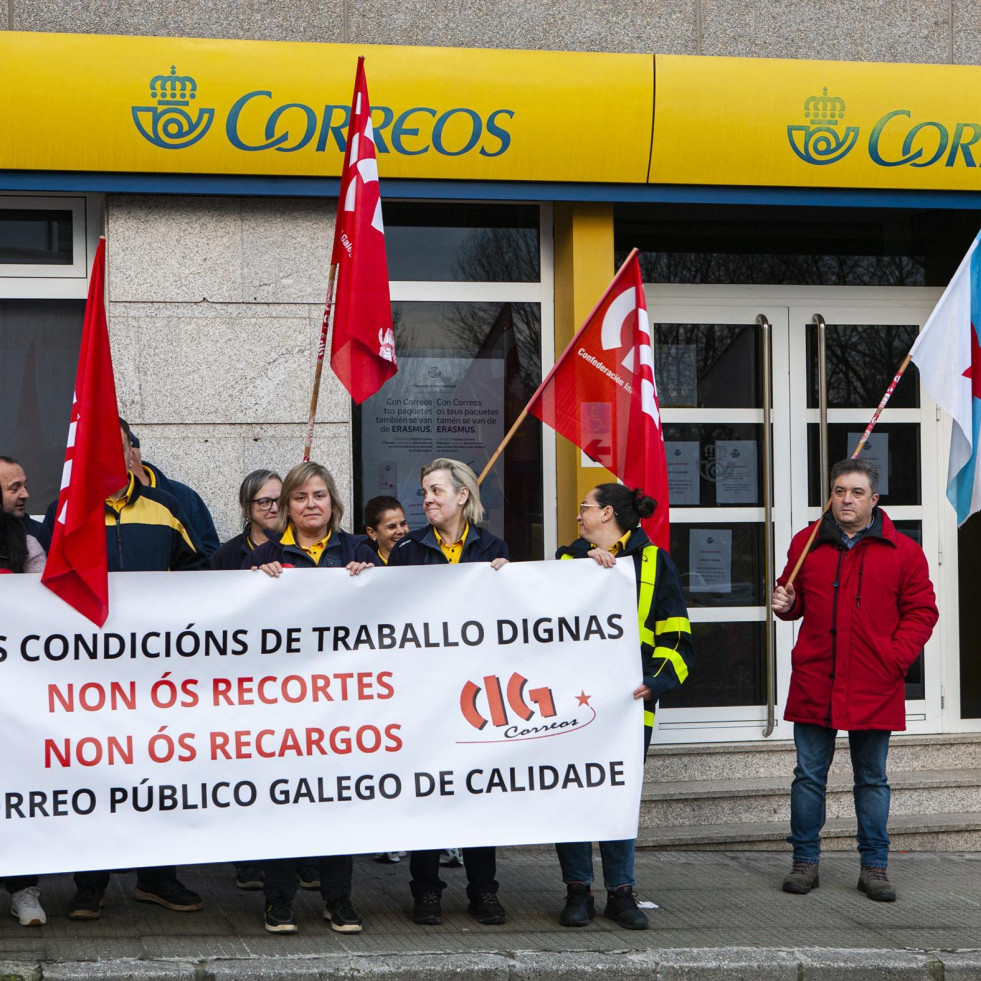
(874, 882)
(802, 879)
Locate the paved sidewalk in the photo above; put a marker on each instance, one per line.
(721, 914)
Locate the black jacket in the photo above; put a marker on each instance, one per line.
(341, 549)
(420, 547)
(232, 554)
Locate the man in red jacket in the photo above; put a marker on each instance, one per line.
(868, 607)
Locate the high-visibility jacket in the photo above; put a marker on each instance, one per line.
(666, 650)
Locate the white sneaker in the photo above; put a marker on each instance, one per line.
(26, 906)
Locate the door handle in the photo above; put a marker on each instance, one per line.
(770, 647)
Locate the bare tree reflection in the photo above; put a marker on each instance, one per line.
(783, 270)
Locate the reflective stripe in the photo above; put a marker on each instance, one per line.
(645, 598)
(648, 718)
(676, 660)
(680, 625)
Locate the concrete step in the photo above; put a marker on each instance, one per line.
(765, 799)
(722, 761)
(948, 832)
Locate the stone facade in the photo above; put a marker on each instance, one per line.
(215, 307)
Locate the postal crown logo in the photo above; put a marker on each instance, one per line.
(822, 140)
(169, 124)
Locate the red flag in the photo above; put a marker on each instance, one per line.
(601, 394)
(94, 468)
(362, 350)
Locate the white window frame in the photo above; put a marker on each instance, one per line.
(542, 293)
(55, 282)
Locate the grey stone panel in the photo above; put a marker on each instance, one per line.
(174, 249)
(221, 250)
(292, 20)
(552, 25)
(967, 32)
(286, 248)
(857, 30)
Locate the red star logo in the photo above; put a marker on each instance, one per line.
(583, 698)
(973, 371)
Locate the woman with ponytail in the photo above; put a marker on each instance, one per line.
(609, 528)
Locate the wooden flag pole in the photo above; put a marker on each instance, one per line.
(321, 350)
(858, 449)
(524, 412)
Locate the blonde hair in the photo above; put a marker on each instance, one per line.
(296, 479)
(461, 476)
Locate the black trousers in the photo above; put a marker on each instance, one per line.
(148, 878)
(280, 882)
(14, 883)
(480, 865)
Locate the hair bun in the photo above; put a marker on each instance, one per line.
(645, 505)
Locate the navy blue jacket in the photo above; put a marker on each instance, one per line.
(199, 521)
(421, 547)
(341, 549)
(232, 554)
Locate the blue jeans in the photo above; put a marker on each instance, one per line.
(576, 857)
(815, 751)
(576, 862)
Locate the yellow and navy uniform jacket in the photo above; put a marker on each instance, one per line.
(422, 547)
(666, 650)
(199, 523)
(341, 548)
(148, 533)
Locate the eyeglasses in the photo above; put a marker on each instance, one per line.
(265, 503)
(586, 504)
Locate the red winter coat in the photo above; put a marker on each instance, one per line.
(867, 613)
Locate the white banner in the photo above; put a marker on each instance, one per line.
(225, 714)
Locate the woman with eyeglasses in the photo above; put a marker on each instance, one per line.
(308, 536)
(609, 528)
(259, 499)
(451, 501)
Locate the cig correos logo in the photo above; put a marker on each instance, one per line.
(513, 711)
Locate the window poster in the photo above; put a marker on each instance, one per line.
(684, 485)
(451, 407)
(710, 560)
(735, 472)
(875, 451)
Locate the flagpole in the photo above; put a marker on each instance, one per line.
(321, 350)
(858, 449)
(548, 377)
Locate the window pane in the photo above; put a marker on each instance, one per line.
(462, 243)
(714, 464)
(893, 446)
(729, 669)
(862, 362)
(707, 365)
(39, 342)
(720, 565)
(466, 370)
(35, 237)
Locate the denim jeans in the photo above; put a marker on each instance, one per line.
(815, 751)
(576, 857)
(576, 862)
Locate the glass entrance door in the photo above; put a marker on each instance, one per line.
(745, 402)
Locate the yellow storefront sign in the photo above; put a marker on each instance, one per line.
(192, 106)
(769, 122)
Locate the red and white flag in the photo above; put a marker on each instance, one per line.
(362, 350)
(94, 467)
(601, 394)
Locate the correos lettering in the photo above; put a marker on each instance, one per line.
(924, 143)
(294, 126)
